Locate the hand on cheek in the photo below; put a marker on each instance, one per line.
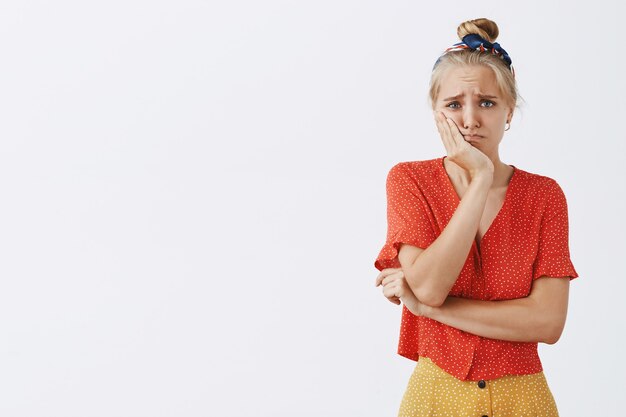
(443, 115)
(456, 122)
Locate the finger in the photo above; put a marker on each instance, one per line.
(455, 133)
(393, 277)
(443, 129)
(450, 125)
(381, 276)
(389, 291)
(384, 273)
(392, 290)
(379, 279)
(393, 299)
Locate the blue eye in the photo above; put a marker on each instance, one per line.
(453, 105)
(488, 103)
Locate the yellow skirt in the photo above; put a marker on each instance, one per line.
(432, 392)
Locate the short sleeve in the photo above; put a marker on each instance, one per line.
(408, 216)
(553, 257)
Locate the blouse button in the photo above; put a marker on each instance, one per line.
(482, 384)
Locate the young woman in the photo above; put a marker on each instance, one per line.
(477, 250)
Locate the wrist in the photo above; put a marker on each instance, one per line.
(487, 168)
(427, 311)
(483, 178)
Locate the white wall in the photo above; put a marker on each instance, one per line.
(193, 196)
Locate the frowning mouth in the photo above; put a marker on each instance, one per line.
(472, 137)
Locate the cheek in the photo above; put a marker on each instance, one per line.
(496, 122)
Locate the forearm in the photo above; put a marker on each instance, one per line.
(432, 274)
(517, 320)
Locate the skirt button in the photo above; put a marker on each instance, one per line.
(482, 384)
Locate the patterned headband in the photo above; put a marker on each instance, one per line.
(478, 43)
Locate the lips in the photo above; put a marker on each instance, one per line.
(472, 137)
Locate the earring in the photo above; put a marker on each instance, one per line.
(508, 126)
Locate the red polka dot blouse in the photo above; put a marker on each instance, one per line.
(527, 239)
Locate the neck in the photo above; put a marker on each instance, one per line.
(501, 172)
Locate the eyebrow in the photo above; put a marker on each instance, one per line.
(461, 95)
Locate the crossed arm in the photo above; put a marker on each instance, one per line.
(539, 317)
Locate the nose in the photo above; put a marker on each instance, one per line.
(470, 118)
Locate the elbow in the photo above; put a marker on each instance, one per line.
(551, 339)
(552, 333)
(426, 290)
(430, 296)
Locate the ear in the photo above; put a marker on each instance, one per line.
(509, 116)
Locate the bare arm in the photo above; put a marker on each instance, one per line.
(431, 272)
(540, 317)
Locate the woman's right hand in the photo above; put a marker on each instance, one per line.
(459, 150)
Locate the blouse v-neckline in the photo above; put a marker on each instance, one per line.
(476, 243)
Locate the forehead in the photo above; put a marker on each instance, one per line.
(469, 80)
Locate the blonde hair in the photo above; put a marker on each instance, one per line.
(488, 30)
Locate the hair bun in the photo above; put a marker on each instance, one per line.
(485, 28)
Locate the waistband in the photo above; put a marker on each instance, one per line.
(429, 369)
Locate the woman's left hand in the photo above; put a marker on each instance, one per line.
(396, 289)
(393, 282)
